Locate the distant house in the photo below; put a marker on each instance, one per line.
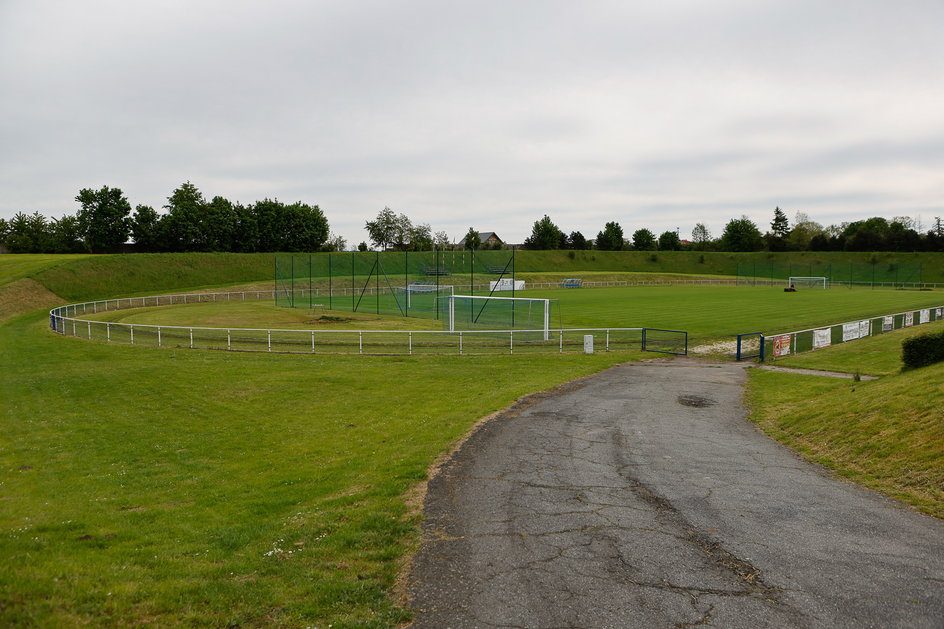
(490, 239)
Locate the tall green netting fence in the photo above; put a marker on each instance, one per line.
(848, 274)
(401, 283)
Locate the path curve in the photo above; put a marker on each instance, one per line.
(642, 497)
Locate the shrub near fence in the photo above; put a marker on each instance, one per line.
(801, 341)
(923, 350)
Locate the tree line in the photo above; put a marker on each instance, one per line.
(743, 235)
(105, 221)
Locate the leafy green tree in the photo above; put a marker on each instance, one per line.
(28, 233)
(804, 230)
(544, 235)
(145, 228)
(611, 238)
(669, 241)
(104, 218)
(184, 226)
(4, 230)
(472, 239)
(64, 235)
(246, 239)
(741, 234)
(644, 240)
(421, 237)
(578, 241)
(701, 237)
(383, 229)
(362, 247)
(441, 240)
(335, 243)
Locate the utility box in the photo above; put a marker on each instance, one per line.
(587, 343)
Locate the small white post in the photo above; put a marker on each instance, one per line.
(159, 336)
(561, 341)
(411, 343)
(460, 343)
(360, 342)
(511, 341)
(229, 340)
(132, 334)
(90, 330)
(607, 339)
(312, 341)
(587, 343)
(108, 332)
(269, 339)
(191, 338)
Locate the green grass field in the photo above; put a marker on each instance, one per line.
(157, 487)
(887, 434)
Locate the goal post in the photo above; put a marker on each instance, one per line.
(808, 282)
(481, 312)
(423, 295)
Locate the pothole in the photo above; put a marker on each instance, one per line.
(698, 401)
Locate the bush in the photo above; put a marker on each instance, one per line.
(924, 350)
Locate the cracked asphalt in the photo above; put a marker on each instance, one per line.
(642, 497)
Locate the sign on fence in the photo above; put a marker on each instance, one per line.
(909, 319)
(850, 331)
(781, 345)
(865, 328)
(888, 323)
(925, 315)
(822, 338)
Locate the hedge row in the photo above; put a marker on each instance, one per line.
(924, 350)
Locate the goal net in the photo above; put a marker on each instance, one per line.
(480, 312)
(808, 282)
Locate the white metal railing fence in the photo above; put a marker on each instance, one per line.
(801, 341)
(71, 320)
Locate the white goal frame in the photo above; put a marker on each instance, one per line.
(813, 282)
(545, 304)
(442, 290)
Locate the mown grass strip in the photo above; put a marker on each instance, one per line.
(201, 488)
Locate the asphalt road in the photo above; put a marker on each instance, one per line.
(642, 497)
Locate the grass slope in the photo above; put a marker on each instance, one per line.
(887, 434)
(198, 488)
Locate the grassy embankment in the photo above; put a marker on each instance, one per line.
(164, 487)
(887, 434)
(171, 487)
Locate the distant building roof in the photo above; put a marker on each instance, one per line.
(485, 236)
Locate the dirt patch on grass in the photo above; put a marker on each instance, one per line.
(24, 296)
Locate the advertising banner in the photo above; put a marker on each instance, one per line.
(938, 316)
(781, 345)
(925, 316)
(822, 338)
(865, 328)
(850, 331)
(888, 323)
(909, 319)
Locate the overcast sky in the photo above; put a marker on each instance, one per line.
(486, 114)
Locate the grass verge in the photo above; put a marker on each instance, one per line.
(197, 488)
(887, 434)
